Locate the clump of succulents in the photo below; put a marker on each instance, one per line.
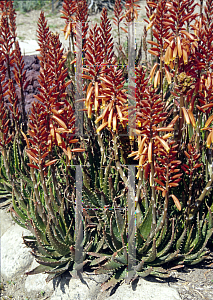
(141, 152)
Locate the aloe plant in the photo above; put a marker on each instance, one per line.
(38, 162)
(174, 245)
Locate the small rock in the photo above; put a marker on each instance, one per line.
(29, 89)
(75, 289)
(37, 282)
(36, 67)
(145, 290)
(36, 84)
(90, 289)
(5, 221)
(29, 60)
(15, 257)
(32, 66)
(29, 99)
(31, 76)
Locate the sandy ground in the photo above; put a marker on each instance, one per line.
(27, 26)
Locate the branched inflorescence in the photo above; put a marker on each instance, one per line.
(119, 16)
(5, 137)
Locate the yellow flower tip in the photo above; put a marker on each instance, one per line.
(150, 152)
(151, 17)
(209, 139)
(149, 26)
(137, 176)
(166, 136)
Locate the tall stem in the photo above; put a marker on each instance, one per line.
(198, 130)
(11, 179)
(119, 38)
(139, 186)
(181, 120)
(153, 200)
(145, 48)
(117, 162)
(198, 202)
(201, 7)
(161, 73)
(53, 172)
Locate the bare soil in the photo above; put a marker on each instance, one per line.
(194, 283)
(15, 290)
(27, 24)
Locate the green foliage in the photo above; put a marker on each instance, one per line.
(174, 244)
(177, 242)
(28, 5)
(53, 232)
